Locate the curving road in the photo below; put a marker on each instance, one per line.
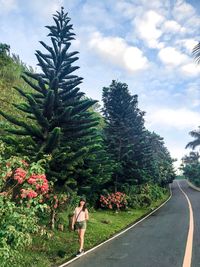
(158, 241)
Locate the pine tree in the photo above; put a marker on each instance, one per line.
(124, 133)
(60, 121)
(95, 175)
(140, 155)
(161, 168)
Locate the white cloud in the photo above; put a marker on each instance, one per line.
(117, 51)
(171, 56)
(128, 9)
(173, 27)
(155, 4)
(148, 28)
(177, 151)
(182, 10)
(173, 118)
(188, 44)
(192, 95)
(8, 5)
(134, 59)
(190, 69)
(45, 8)
(99, 13)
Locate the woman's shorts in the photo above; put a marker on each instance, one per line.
(81, 225)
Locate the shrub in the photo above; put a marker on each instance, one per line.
(114, 201)
(143, 195)
(144, 200)
(16, 225)
(22, 186)
(23, 182)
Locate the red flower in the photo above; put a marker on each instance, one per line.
(114, 201)
(20, 175)
(40, 182)
(28, 193)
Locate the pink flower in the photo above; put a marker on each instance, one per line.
(31, 180)
(20, 175)
(28, 193)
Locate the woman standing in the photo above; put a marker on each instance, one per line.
(79, 223)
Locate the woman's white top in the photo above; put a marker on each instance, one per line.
(82, 216)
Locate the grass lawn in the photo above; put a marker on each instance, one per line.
(62, 246)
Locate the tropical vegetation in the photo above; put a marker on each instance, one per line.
(55, 145)
(191, 163)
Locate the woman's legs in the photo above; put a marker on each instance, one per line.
(81, 233)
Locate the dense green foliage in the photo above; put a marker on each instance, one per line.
(191, 167)
(140, 156)
(190, 163)
(16, 225)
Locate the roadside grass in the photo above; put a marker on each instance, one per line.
(180, 177)
(62, 246)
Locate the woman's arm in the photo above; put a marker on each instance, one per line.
(86, 215)
(73, 219)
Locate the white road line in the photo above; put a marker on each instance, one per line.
(188, 249)
(90, 250)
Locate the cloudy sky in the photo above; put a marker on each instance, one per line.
(146, 44)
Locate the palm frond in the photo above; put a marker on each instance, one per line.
(196, 53)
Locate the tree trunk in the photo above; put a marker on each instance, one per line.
(53, 216)
(119, 159)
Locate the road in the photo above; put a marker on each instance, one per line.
(158, 241)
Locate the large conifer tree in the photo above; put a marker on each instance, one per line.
(61, 123)
(140, 155)
(124, 133)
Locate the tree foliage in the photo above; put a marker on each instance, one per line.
(196, 53)
(191, 167)
(140, 156)
(60, 122)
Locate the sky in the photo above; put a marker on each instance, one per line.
(146, 44)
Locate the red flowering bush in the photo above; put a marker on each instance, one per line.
(22, 181)
(21, 187)
(54, 200)
(114, 201)
(55, 203)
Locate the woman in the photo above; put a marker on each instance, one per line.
(79, 222)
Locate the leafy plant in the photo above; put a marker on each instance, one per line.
(16, 226)
(114, 201)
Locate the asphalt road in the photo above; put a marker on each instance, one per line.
(158, 241)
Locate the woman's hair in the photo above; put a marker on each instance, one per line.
(84, 206)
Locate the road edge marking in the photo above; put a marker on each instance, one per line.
(189, 245)
(193, 186)
(122, 232)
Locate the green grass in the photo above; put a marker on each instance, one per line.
(179, 177)
(62, 246)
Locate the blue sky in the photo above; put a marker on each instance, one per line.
(146, 44)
